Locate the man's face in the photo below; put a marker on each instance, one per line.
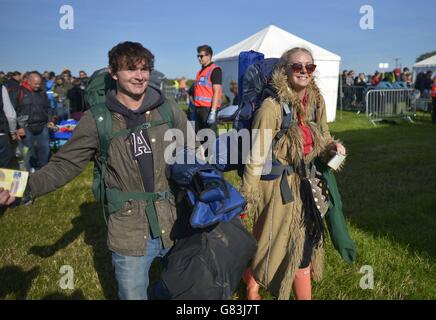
(135, 81)
(204, 58)
(35, 82)
(82, 74)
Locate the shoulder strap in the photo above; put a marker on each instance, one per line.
(286, 122)
(166, 112)
(20, 96)
(103, 121)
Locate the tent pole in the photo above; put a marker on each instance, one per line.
(340, 87)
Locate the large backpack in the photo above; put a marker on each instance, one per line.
(95, 98)
(255, 75)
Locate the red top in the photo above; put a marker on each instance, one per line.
(433, 91)
(305, 130)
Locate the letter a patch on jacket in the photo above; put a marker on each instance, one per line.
(140, 144)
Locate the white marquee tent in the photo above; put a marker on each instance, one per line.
(272, 42)
(424, 66)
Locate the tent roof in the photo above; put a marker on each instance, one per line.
(429, 62)
(272, 42)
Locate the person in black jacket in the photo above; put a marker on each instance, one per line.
(34, 118)
(13, 86)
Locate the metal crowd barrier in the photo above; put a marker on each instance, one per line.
(353, 98)
(170, 91)
(390, 103)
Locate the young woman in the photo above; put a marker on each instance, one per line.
(289, 246)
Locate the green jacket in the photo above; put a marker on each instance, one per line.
(128, 228)
(335, 220)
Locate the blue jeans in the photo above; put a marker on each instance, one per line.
(132, 272)
(27, 146)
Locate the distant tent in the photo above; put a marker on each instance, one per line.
(272, 42)
(425, 65)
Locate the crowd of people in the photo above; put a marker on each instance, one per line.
(34, 103)
(396, 79)
(353, 88)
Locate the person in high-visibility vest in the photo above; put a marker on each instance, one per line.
(433, 98)
(207, 92)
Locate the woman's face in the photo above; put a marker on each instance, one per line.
(299, 79)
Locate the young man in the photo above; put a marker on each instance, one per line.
(207, 90)
(139, 230)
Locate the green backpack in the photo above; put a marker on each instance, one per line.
(114, 198)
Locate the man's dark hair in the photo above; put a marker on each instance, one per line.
(129, 54)
(205, 48)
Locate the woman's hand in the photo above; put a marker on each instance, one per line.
(341, 149)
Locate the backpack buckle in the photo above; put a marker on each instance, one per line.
(162, 195)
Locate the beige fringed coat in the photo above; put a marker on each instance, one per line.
(278, 227)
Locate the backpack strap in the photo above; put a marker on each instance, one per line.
(286, 123)
(278, 169)
(20, 96)
(103, 121)
(166, 112)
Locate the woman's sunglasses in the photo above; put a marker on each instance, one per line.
(298, 67)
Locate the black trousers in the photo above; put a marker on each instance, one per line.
(201, 115)
(5, 151)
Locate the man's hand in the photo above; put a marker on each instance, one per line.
(20, 134)
(5, 197)
(212, 117)
(50, 124)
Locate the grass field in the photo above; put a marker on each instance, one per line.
(389, 192)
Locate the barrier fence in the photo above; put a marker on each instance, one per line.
(390, 103)
(353, 98)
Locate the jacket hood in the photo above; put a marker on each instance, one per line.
(153, 98)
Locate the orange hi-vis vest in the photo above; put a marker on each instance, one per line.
(203, 90)
(433, 90)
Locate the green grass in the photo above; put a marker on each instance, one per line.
(388, 187)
